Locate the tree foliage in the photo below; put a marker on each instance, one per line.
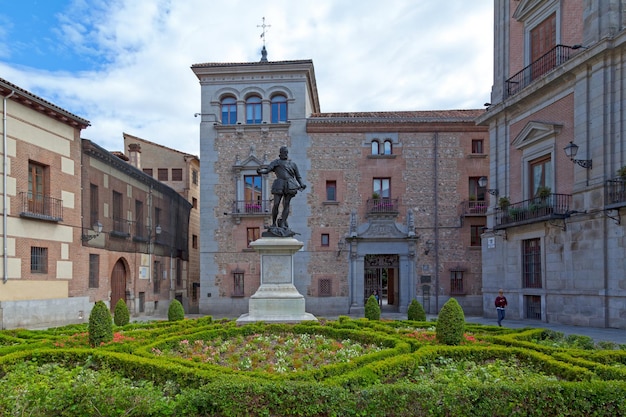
(450, 323)
(416, 311)
(100, 324)
(372, 309)
(175, 311)
(121, 316)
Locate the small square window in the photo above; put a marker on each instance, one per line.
(325, 239)
(325, 287)
(477, 146)
(163, 174)
(177, 174)
(147, 171)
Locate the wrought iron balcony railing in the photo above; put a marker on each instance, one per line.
(474, 208)
(252, 207)
(382, 206)
(553, 206)
(615, 193)
(41, 207)
(546, 63)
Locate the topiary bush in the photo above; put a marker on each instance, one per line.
(416, 311)
(450, 323)
(372, 309)
(176, 311)
(100, 324)
(121, 316)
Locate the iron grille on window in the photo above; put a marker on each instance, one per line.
(39, 260)
(94, 268)
(238, 275)
(156, 277)
(531, 258)
(325, 287)
(456, 281)
(533, 306)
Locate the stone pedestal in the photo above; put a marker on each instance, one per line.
(277, 299)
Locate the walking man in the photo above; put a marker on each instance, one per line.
(501, 304)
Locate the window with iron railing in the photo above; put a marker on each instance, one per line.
(38, 260)
(531, 263)
(554, 58)
(456, 281)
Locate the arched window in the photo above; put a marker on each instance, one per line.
(279, 108)
(387, 147)
(254, 110)
(229, 111)
(375, 147)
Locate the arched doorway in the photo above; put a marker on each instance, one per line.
(118, 283)
(381, 275)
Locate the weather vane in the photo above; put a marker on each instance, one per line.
(264, 26)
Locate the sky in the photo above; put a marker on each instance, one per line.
(124, 65)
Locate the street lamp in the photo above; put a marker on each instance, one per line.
(571, 150)
(97, 228)
(482, 183)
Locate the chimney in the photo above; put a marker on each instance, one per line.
(134, 154)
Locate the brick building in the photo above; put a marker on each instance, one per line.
(393, 202)
(42, 261)
(557, 247)
(180, 171)
(80, 223)
(141, 255)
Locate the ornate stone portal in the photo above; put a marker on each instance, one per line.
(277, 299)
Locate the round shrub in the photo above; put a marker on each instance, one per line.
(121, 316)
(176, 311)
(416, 311)
(450, 323)
(372, 310)
(100, 324)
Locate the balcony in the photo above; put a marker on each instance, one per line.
(615, 193)
(474, 208)
(552, 59)
(41, 207)
(251, 207)
(537, 209)
(382, 207)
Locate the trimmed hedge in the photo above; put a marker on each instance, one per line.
(375, 384)
(100, 324)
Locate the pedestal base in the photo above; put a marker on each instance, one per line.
(277, 299)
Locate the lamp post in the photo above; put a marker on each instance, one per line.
(571, 150)
(482, 183)
(97, 228)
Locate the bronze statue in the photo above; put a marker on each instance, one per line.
(286, 185)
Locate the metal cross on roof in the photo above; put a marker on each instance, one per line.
(264, 26)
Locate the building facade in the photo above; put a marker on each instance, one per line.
(180, 171)
(393, 202)
(80, 224)
(41, 195)
(141, 253)
(555, 241)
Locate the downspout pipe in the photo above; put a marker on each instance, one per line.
(5, 255)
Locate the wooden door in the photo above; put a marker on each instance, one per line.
(118, 284)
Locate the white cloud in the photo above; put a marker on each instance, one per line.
(368, 56)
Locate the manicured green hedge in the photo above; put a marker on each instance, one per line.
(586, 382)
